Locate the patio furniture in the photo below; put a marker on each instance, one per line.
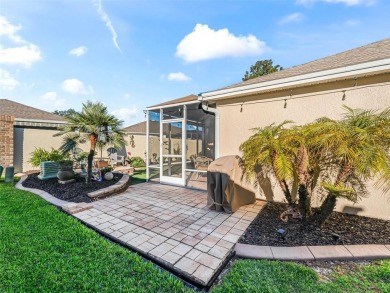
(227, 189)
(201, 163)
(114, 157)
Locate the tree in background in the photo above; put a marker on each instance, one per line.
(65, 113)
(262, 67)
(93, 124)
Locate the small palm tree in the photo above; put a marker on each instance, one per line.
(93, 124)
(268, 148)
(359, 148)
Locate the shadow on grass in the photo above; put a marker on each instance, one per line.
(139, 176)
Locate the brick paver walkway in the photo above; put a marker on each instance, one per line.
(172, 225)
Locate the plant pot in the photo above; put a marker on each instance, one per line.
(66, 172)
(102, 164)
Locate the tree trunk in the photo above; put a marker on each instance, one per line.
(282, 182)
(303, 177)
(330, 201)
(93, 140)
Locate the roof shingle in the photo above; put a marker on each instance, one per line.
(21, 111)
(372, 52)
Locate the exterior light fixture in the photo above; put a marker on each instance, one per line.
(282, 234)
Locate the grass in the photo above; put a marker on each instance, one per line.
(16, 179)
(276, 276)
(139, 176)
(43, 249)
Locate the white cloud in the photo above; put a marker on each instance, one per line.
(178, 76)
(107, 21)
(52, 99)
(346, 2)
(24, 54)
(204, 43)
(126, 96)
(75, 86)
(352, 23)
(80, 51)
(7, 82)
(125, 114)
(295, 17)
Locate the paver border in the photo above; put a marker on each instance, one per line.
(110, 190)
(324, 252)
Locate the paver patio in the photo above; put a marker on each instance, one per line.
(172, 225)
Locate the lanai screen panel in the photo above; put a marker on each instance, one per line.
(154, 145)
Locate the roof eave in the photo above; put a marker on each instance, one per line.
(368, 68)
(40, 121)
(172, 105)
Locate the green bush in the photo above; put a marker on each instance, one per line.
(41, 155)
(137, 162)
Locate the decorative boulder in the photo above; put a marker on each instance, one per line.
(108, 176)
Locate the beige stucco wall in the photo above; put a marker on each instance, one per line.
(305, 105)
(36, 138)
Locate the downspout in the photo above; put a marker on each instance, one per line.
(206, 108)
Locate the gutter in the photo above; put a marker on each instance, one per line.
(352, 71)
(216, 130)
(40, 121)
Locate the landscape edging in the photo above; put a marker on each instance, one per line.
(323, 252)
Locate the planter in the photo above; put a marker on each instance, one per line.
(102, 164)
(49, 169)
(66, 173)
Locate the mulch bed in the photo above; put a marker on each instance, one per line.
(74, 192)
(351, 229)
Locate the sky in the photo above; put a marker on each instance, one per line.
(131, 54)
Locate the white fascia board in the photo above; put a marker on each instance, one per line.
(172, 105)
(40, 121)
(299, 80)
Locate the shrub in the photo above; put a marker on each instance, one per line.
(41, 155)
(137, 162)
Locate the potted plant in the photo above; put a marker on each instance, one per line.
(65, 172)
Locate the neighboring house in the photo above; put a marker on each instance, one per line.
(358, 78)
(136, 138)
(22, 129)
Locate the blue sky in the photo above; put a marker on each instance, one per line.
(134, 54)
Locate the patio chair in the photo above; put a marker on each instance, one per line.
(201, 163)
(114, 157)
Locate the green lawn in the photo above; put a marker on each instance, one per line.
(43, 249)
(276, 276)
(139, 176)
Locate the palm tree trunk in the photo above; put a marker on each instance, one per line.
(303, 177)
(93, 140)
(330, 201)
(282, 182)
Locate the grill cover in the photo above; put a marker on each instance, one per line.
(227, 188)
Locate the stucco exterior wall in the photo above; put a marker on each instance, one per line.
(304, 105)
(35, 138)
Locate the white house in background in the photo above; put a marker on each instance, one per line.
(358, 78)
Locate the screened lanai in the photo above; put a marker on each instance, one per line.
(180, 142)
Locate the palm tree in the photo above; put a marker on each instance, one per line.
(93, 124)
(359, 148)
(268, 149)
